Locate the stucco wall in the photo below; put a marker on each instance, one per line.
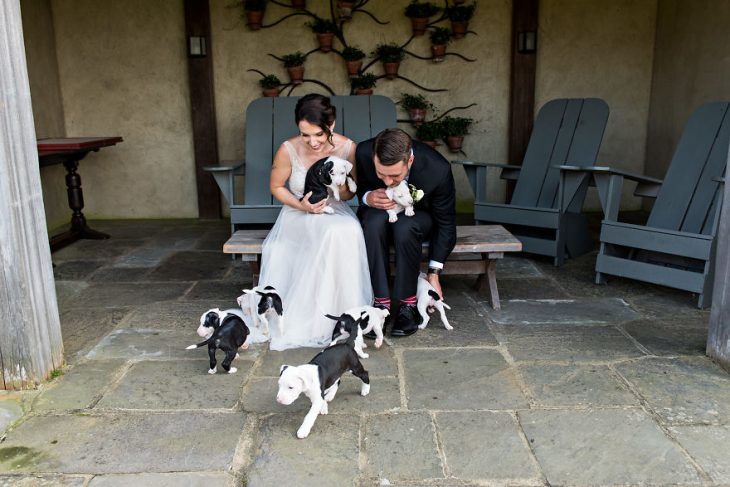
(691, 67)
(123, 72)
(604, 50)
(236, 49)
(40, 53)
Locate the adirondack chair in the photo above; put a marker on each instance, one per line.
(545, 210)
(676, 246)
(269, 122)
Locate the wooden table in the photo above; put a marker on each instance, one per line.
(478, 247)
(69, 151)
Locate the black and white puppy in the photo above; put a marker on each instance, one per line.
(319, 379)
(401, 196)
(325, 177)
(262, 303)
(371, 319)
(225, 330)
(428, 300)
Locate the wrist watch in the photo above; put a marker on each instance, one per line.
(434, 270)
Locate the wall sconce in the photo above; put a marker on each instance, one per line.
(196, 46)
(527, 42)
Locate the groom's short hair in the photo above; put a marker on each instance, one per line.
(392, 146)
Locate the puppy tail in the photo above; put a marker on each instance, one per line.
(446, 305)
(198, 345)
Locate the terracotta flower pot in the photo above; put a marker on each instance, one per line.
(344, 9)
(296, 74)
(391, 69)
(438, 52)
(254, 19)
(458, 29)
(419, 25)
(270, 92)
(454, 142)
(325, 41)
(363, 91)
(353, 67)
(418, 115)
(299, 4)
(430, 143)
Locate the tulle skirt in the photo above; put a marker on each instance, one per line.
(319, 266)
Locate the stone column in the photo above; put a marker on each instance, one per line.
(718, 337)
(30, 329)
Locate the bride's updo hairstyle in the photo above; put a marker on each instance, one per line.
(317, 110)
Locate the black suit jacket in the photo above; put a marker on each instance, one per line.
(429, 172)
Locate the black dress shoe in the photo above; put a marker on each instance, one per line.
(407, 322)
(371, 334)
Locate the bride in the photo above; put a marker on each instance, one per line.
(317, 262)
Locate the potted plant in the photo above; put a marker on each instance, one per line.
(270, 85)
(430, 132)
(440, 37)
(459, 15)
(299, 4)
(353, 60)
(325, 30)
(344, 9)
(363, 84)
(254, 11)
(416, 106)
(419, 13)
(454, 130)
(294, 64)
(391, 55)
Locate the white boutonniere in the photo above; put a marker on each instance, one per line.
(416, 194)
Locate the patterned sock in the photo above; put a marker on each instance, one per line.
(383, 303)
(409, 301)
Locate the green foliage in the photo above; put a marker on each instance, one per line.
(389, 53)
(365, 81)
(254, 5)
(460, 13)
(322, 26)
(418, 9)
(456, 125)
(352, 54)
(440, 36)
(430, 131)
(55, 373)
(414, 101)
(269, 81)
(293, 59)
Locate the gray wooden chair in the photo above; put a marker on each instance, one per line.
(676, 246)
(545, 209)
(269, 122)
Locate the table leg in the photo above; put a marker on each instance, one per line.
(255, 266)
(487, 282)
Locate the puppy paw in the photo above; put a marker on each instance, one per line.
(233, 370)
(364, 345)
(328, 210)
(422, 326)
(393, 219)
(365, 390)
(363, 355)
(302, 433)
(212, 371)
(236, 357)
(448, 327)
(378, 342)
(244, 346)
(410, 211)
(324, 410)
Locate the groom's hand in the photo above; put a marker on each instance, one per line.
(433, 279)
(378, 199)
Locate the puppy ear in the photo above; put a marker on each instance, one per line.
(282, 369)
(348, 167)
(278, 305)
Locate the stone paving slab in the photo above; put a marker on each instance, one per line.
(588, 311)
(122, 443)
(381, 362)
(185, 479)
(567, 343)
(329, 456)
(177, 384)
(11, 410)
(664, 337)
(42, 480)
(461, 379)
(146, 257)
(685, 390)
(219, 293)
(260, 397)
(80, 386)
(104, 294)
(82, 328)
(604, 447)
(401, 446)
(66, 291)
(120, 274)
(708, 445)
(522, 288)
(75, 270)
(192, 266)
(517, 267)
(554, 385)
(505, 456)
(670, 304)
(103, 250)
(171, 315)
(470, 330)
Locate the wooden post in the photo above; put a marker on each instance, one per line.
(30, 329)
(718, 336)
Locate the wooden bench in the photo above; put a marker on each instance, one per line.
(476, 252)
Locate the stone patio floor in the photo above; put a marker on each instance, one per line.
(569, 384)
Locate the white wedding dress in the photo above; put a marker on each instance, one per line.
(317, 263)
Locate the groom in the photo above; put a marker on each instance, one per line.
(385, 161)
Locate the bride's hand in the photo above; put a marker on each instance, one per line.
(312, 208)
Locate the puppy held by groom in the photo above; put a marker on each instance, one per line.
(385, 161)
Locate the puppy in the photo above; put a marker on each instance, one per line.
(325, 177)
(371, 319)
(225, 330)
(319, 379)
(268, 305)
(401, 196)
(428, 300)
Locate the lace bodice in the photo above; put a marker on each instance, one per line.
(299, 172)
